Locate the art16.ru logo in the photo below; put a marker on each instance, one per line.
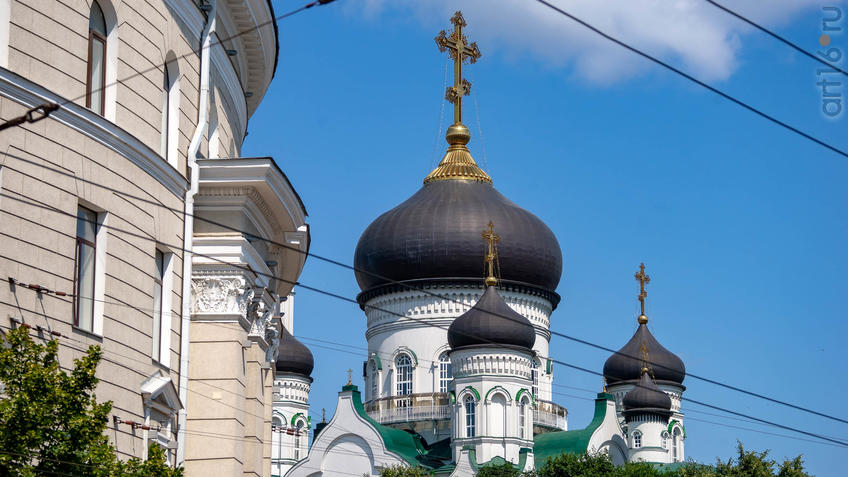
(831, 90)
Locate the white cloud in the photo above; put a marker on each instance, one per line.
(690, 33)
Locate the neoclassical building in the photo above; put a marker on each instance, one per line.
(458, 286)
(131, 221)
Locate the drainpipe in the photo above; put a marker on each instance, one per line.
(188, 231)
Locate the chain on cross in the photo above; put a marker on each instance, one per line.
(460, 51)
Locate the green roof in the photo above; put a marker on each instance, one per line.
(552, 444)
(411, 447)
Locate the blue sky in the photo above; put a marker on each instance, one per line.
(741, 224)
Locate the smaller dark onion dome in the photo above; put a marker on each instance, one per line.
(293, 356)
(646, 397)
(491, 322)
(626, 364)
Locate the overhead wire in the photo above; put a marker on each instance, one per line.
(695, 80)
(46, 109)
(398, 283)
(341, 297)
(777, 37)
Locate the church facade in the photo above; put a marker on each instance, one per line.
(458, 288)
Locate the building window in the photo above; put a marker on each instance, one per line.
(522, 418)
(214, 132)
(403, 365)
(158, 277)
(375, 381)
(95, 91)
(445, 374)
(675, 445)
(170, 110)
(470, 416)
(665, 440)
(534, 374)
(297, 439)
(637, 440)
(84, 275)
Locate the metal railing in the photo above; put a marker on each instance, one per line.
(412, 407)
(437, 406)
(549, 414)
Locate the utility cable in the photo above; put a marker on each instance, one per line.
(777, 37)
(694, 80)
(47, 108)
(407, 286)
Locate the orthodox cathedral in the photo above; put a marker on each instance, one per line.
(458, 288)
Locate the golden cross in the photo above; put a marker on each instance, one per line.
(349, 376)
(643, 280)
(459, 50)
(492, 239)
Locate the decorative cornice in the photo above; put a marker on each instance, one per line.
(250, 193)
(96, 127)
(441, 283)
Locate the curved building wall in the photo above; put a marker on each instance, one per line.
(115, 163)
(423, 333)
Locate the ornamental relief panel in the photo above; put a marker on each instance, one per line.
(220, 295)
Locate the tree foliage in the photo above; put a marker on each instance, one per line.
(404, 471)
(50, 420)
(504, 469)
(745, 464)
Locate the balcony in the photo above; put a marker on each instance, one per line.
(550, 415)
(413, 407)
(437, 406)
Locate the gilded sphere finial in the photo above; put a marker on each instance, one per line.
(643, 319)
(458, 134)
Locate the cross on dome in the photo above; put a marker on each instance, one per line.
(457, 163)
(492, 240)
(643, 280)
(457, 46)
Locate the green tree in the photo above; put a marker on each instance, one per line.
(504, 469)
(579, 465)
(50, 420)
(404, 471)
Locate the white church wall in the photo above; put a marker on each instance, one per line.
(424, 332)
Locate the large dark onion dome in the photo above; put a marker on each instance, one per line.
(491, 322)
(626, 364)
(293, 356)
(435, 234)
(646, 397)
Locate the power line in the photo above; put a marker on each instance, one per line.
(392, 281)
(718, 408)
(694, 80)
(580, 368)
(776, 36)
(47, 108)
(343, 298)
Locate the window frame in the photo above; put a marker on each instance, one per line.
(94, 35)
(297, 442)
(534, 376)
(80, 242)
(401, 383)
(470, 407)
(637, 440)
(375, 380)
(445, 372)
(160, 267)
(522, 417)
